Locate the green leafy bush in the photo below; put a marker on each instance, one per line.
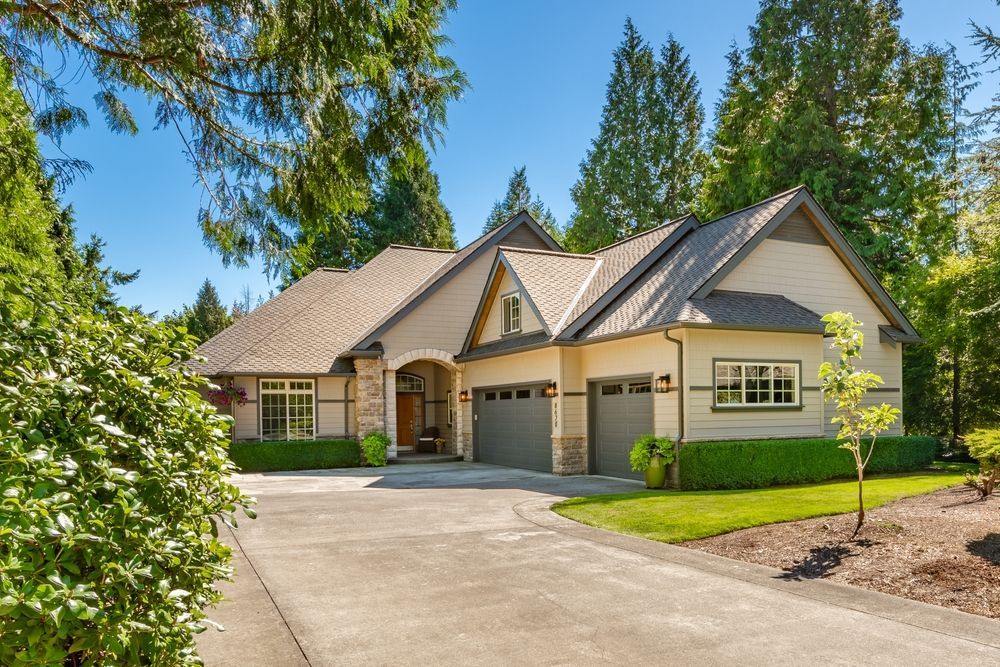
(375, 446)
(295, 455)
(984, 446)
(113, 474)
(748, 464)
(648, 446)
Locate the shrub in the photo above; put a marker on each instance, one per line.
(113, 475)
(375, 446)
(295, 455)
(984, 446)
(749, 464)
(648, 446)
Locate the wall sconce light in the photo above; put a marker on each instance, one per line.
(464, 396)
(663, 384)
(550, 390)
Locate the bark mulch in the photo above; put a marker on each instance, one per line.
(942, 548)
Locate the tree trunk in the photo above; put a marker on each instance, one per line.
(956, 398)
(861, 499)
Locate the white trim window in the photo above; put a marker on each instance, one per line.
(510, 309)
(286, 410)
(755, 383)
(451, 408)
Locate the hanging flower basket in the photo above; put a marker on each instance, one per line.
(228, 394)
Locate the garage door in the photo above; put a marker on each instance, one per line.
(622, 411)
(514, 427)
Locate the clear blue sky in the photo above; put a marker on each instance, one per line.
(538, 71)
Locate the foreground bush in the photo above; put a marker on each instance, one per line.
(375, 446)
(113, 475)
(748, 464)
(295, 455)
(984, 446)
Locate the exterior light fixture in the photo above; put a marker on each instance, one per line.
(550, 390)
(663, 384)
(464, 396)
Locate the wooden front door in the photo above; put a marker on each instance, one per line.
(408, 420)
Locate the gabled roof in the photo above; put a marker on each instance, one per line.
(304, 329)
(447, 271)
(553, 281)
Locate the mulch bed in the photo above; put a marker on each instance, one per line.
(942, 548)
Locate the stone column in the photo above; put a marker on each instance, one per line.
(569, 454)
(458, 421)
(369, 396)
(390, 411)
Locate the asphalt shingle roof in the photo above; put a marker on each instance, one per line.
(305, 330)
(553, 280)
(750, 310)
(658, 296)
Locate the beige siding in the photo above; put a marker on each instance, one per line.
(492, 329)
(246, 415)
(813, 276)
(334, 416)
(704, 347)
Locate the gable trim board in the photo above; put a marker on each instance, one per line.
(422, 293)
(501, 268)
(838, 243)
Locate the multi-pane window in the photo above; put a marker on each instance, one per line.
(755, 383)
(510, 307)
(286, 410)
(406, 382)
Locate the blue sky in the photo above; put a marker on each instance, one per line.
(537, 70)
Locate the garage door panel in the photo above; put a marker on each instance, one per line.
(514, 431)
(623, 411)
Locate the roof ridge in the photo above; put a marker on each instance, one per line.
(414, 247)
(648, 231)
(537, 251)
(576, 298)
(755, 205)
(332, 269)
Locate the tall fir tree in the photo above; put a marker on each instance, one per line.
(206, 317)
(830, 95)
(642, 168)
(517, 199)
(406, 209)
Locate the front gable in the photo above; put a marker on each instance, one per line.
(439, 316)
(487, 324)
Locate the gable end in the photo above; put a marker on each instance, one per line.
(798, 228)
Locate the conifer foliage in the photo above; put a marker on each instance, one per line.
(517, 199)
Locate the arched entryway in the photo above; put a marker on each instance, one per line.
(421, 402)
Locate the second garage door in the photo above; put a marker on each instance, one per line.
(622, 411)
(514, 427)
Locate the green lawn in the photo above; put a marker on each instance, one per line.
(678, 516)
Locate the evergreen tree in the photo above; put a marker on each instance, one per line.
(643, 168)
(517, 199)
(206, 317)
(829, 94)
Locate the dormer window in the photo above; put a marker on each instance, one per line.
(510, 306)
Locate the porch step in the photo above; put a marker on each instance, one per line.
(424, 458)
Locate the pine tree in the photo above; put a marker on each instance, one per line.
(517, 199)
(829, 94)
(207, 316)
(642, 168)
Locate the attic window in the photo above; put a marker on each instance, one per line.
(510, 307)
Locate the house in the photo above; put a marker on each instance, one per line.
(527, 356)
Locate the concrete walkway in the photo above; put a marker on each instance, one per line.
(464, 564)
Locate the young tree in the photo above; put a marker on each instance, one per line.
(517, 199)
(642, 168)
(208, 315)
(829, 94)
(984, 446)
(847, 386)
(286, 108)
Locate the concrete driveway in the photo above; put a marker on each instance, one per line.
(463, 564)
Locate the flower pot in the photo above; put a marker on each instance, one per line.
(656, 473)
(439, 448)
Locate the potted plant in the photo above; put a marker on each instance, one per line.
(651, 456)
(439, 445)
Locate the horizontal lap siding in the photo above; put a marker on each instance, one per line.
(246, 415)
(492, 327)
(705, 346)
(814, 277)
(332, 420)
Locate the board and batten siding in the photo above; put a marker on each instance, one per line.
(813, 276)
(704, 346)
(492, 328)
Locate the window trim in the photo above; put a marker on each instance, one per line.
(506, 300)
(451, 408)
(286, 391)
(721, 407)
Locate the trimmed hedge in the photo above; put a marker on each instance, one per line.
(295, 455)
(750, 464)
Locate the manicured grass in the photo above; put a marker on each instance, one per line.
(295, 455)
(678, 516)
